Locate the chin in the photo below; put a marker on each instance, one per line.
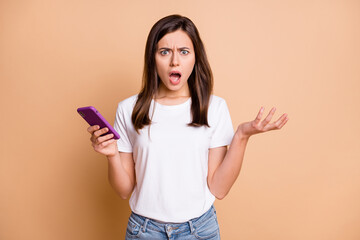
(176, 87)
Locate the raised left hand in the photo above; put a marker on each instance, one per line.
(248, 129)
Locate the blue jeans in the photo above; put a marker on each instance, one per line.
(204, 227)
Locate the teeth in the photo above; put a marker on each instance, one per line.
(174, 77)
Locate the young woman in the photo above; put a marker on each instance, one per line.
(173, 156)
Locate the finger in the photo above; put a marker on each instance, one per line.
(101, 132)
(268, 118)
(97, 134)
(93, 128)
(104, 138)
(259, 116)
(275, 125)
(107, 143)
(284, 122)
(280, 121)
(101, 146)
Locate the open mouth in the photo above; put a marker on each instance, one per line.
(175, 77)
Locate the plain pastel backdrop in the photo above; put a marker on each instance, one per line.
(303, 57)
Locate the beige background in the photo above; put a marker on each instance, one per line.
(303, 57)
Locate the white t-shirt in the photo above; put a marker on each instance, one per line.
(171, 158)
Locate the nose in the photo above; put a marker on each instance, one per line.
(174, 60)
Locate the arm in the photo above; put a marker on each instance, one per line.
(224, 166)
(121, 167)
(121, 172)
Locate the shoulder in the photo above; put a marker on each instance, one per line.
(216, 102)
(219, 114)
(127, 104)
(217, 109)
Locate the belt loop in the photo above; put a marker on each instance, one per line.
(145, 225)
(191, 226)
(213, 207)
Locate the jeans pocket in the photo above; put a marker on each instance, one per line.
(207, 230)
(133, 229)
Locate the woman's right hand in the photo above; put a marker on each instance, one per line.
(103, 144)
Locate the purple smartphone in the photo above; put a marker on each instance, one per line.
(93, 117)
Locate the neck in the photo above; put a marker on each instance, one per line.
(163, 92)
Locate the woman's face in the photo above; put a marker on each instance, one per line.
(175, 59)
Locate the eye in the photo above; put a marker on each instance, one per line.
(184, 52)
(164, 52)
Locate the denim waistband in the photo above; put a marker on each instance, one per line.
(189, 225)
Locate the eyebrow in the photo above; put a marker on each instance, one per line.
(181, 48)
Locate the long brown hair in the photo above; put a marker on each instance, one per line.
(200, 80)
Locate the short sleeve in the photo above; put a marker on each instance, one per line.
(223, 131)
(120, 125)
